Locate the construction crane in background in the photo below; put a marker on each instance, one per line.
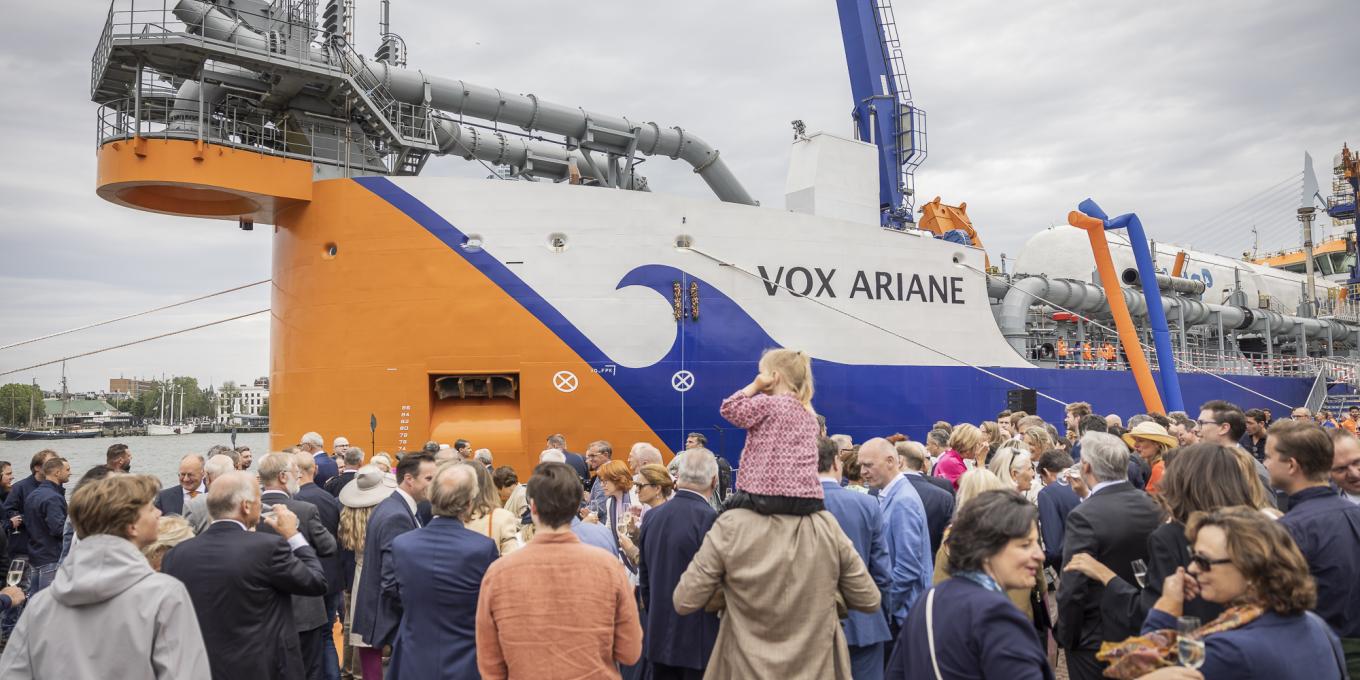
(884, 114)
(1341, 205)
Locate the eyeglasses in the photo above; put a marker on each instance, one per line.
(1204, 563)
(1206, 423)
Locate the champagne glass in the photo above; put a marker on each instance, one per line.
(15, 575)
(1189, 645)
(1139, 572)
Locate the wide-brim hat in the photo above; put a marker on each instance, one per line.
(368, 488)
(1152, 432)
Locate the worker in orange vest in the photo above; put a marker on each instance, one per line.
(1086, 354)
(1062, 352)
(1107, 354)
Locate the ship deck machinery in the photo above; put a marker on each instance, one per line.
(505, 311)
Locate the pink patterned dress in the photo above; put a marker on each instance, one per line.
(780, 458)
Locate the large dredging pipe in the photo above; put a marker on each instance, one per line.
(1174, 284)
(1085, 298)
(527, 156)
(592, 130)
(530, 157)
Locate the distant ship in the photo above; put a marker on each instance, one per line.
(20, 434)
(168, 426)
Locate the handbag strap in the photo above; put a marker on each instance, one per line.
(930, 632)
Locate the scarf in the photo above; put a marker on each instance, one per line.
(1142, 654)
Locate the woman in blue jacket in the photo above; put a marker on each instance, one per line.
(1247, 562)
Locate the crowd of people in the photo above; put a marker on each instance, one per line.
(1223, 545)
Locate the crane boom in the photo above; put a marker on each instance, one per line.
(884, 114)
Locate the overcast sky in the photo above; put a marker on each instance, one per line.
(1178, 111)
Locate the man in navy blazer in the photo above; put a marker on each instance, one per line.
(861, 520)
(171, 501)
(241, 583)
(677, 647)
(314, 446)
(376, 615)
(434, 575)
(328, 513)
(905, 529)
(937, 494)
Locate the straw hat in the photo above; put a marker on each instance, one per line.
(368, 488)
(1152, 432)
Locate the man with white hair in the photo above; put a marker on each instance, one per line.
(483, 456)
(1111, 526)
(240, 582)
(674, 468)
(326, 468)
(905, 529)
(677, 646)
(552, 456)
(196, 510)
(641, 454)
(279, 477)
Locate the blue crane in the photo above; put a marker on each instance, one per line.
(884, 114)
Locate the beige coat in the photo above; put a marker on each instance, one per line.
(782, 577)
(500, 526)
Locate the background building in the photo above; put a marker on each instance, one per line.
(242, 402)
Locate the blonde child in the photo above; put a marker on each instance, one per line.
(778, 470)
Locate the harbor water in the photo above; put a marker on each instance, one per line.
(157, 456)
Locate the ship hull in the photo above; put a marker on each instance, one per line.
(609, 331)
(35, 435)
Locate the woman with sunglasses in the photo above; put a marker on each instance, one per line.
(1200, 478)
(654, 487)
(1247, 562)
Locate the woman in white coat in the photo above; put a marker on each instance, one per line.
(108, 614)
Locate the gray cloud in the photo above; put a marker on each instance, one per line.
(1177, 112)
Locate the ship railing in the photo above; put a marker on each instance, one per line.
(1043, 351)
(233, 124)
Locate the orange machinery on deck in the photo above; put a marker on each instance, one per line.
(367, 304)
(940, 219)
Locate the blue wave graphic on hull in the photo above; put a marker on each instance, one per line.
(722, 349)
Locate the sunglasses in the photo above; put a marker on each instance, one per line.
(1204, 563)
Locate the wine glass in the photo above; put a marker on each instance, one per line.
(1139, 572)
(15, 575)
(1189, 645)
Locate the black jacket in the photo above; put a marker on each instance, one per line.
(309, 612)
(240, 583)
(328, 512)
(1124, 604)
(1113, 526)
(939, 506)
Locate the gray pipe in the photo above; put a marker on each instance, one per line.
(1086, 298)
(1175, 284)
(591, 130)
(205, 19)
(527, 156)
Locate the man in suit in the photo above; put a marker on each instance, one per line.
(575, 460)
(1112, 525)
(328, 511)
(376, 615)
(435, 577)
(196, 510)
(279, 477)
(314, 445)
(937, 494)
(171, 501)
(861, 520)
(353, 458)
(1056, 500)
(905, 529)
(677, 647)
(240, 582)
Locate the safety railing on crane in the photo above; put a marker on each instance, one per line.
(233, 123)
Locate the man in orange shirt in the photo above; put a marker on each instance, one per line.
(1352, 421)
(1086, 354)
(1062, 353)
(556, 594)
